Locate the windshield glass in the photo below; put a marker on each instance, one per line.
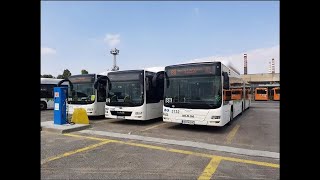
(194, 92)
(259, 91)
(126, 89)
(83, 90)
(236, 92)
(127, 93)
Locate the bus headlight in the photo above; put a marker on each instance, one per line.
(138, 113)
(89, 109)
(165, 114)
(215, 117)
(107, 109)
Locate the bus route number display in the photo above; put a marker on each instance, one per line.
(191, 70)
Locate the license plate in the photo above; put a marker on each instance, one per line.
(120, 117)
(188, 122)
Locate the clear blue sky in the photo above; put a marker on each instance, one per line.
(151, 33)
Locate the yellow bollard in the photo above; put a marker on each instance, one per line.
(80, 116)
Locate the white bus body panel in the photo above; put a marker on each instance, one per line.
(49, 102)
(247, 103)
(137, 113)
(154, 110)
(199, 116)
(142, 113)
(237, 107)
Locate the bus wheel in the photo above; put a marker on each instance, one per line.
(43, 105)
(231, 118)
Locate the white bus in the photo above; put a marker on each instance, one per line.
(193, 94)
(84, 95)
(46, 92)
(135, 95)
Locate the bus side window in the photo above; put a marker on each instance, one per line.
(227, 95)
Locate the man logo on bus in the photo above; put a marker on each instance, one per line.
(168, 100)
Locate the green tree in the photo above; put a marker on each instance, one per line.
(66, 73)
(83, 71)
(47, 76)
(59, 76)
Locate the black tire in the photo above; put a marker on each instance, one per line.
(231, 117)
(43, 105)
(241, 109)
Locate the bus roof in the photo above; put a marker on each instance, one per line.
(50, 81)
(79, 75)
(225, 63)
(152, 69)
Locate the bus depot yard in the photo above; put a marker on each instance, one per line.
(248, 148)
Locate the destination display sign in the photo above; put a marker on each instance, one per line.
(187, 70)
(82, 79)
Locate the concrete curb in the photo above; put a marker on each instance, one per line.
(66, 128)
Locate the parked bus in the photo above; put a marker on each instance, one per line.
(275, 93)
(261, 94)
(85, 96)
(135, 95)
(194, 94)
(46, 92)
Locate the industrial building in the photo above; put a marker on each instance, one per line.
(269, 80)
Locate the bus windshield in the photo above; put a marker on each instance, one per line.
(194, 92)
(236, 92)
(260, 91)
(125, 93)
(83, 90)
(126, 89)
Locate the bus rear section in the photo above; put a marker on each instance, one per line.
(261, 94)
(134, 95)
(276, 93)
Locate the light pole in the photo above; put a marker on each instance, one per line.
(114, 52)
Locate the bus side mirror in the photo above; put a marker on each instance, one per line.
(158, 78)
(102, 80)
(147, 83)
(225, 80)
